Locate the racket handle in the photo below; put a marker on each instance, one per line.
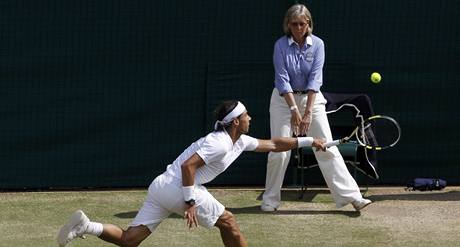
(333, 143)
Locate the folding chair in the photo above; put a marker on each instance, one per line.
(341, 123)
(306, 160)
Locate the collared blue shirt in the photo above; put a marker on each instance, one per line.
(297, 68)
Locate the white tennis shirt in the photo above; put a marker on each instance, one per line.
(218, 152)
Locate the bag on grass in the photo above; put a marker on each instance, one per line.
(424, 184)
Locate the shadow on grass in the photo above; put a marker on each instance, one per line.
(256, 210)
(297, 195)
(132, 214)
(419, 196)
(126, 215)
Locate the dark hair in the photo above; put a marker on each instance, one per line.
(223, 110)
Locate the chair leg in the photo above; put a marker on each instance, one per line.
(301, 166)
(356, 173)
(367, 187)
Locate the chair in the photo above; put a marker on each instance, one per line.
(342, 122)
(306, 160)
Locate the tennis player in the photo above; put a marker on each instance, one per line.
(179, 189)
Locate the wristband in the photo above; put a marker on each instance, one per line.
(293, 107)
(189, 193)
(304, 142)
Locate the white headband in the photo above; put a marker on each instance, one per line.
(238, 110)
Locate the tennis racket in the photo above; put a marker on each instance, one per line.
(377, 132)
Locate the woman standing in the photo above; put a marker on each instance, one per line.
(298, 107)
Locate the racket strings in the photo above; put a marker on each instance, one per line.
(379, 132)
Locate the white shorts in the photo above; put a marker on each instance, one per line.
(165, 197)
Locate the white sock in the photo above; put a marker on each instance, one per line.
(94, 228)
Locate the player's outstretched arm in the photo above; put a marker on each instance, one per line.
(281, 144)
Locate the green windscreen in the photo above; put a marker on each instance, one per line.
(108, 93)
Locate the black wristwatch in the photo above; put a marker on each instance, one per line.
(190, 202)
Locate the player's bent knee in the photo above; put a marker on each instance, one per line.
(127, 241)
(227, 222)
(133, 237)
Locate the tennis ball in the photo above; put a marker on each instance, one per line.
(376, 77)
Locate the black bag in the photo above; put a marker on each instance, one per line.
(424, 184)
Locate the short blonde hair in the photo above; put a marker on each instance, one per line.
(295, 11)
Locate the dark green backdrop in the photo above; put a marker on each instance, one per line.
(107, 93)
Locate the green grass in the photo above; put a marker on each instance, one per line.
(33, 219)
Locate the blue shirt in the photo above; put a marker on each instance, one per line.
(298, 69)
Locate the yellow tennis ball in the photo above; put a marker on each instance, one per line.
(376, 77)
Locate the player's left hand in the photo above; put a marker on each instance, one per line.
(190, 216)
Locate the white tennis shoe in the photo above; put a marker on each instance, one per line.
(75, 227)
(361, 204)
